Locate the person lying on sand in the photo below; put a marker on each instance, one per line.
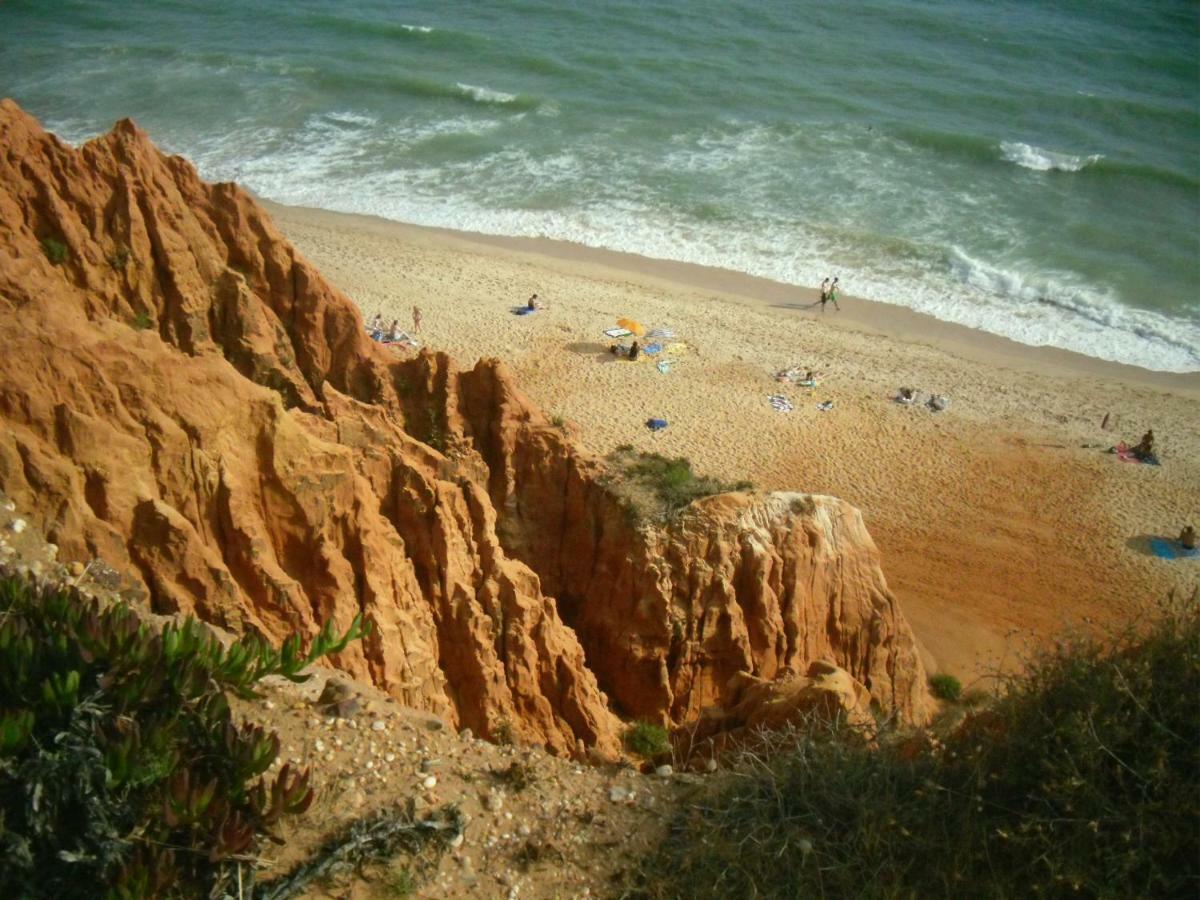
(906, 395)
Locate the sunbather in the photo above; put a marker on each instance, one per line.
(375, 328)
(634, 350)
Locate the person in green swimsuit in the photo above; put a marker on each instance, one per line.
(834, 290)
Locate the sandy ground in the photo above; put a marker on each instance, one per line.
(1000, 521)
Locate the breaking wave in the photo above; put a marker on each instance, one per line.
(1029, 157)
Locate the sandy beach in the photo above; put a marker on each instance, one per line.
(1001, 520)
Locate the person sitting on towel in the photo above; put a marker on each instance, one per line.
(375, 325)
(1145, 448)
(533, 303)
(1187, 538)
(634, 350)
(394, 333)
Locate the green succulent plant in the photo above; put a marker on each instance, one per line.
(122, 771)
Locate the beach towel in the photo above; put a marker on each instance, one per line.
(618, 332)
(651, 349)
(656, 424)
(678, 347)
(825, 405)
(522, 311)
(1168, 549)
(663, 366)
(660, 333)
(780, 402)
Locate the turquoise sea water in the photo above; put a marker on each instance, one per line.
(1029, 168)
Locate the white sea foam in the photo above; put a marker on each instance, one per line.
(1030, 157)
(322, 166)
(418, 29)
(343, 117)
(485, 95)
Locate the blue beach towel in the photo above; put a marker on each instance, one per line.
(1165, 549)
(651, 349)
(522, 310)
(656, 424)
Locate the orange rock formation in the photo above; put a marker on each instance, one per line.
(184, 396)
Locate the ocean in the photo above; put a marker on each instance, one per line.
(1027, 168)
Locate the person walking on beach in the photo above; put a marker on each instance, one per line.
(833, 294)
(824, 293)
(416, 318)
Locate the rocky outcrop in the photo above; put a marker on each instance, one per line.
(182, 395)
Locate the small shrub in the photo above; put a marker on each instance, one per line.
(119, 258)
(56, 251)
(668, 484)
(803, 506)
(503, 734)
(1080, 780)
(401, 884)
(624, 448)
(122, 771)
(142, 321)
(516, 777)
(647, 740)
(558, 422)
(945, 687)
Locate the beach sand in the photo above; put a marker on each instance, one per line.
(1000, 521)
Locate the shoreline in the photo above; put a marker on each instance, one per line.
(873, 317)
(999, 522)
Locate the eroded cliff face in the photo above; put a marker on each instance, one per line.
(183, 395)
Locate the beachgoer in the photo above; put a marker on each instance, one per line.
(376, 324)
(907, 395)
(634, 350)
(533, 302)
(824, 293)
(833, 294)
(1187, 538)
(394, 333)
(1145, 447)
(416, 318)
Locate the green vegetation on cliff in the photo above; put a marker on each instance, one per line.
(122, 771)
(1081, 780)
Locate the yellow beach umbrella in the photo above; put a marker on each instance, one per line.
(631, 325)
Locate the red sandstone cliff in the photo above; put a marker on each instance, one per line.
(183, 395)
